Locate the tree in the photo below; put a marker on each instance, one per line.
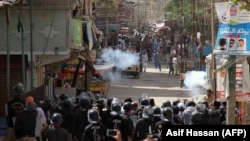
(246, 4)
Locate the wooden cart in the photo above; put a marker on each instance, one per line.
(131, 71)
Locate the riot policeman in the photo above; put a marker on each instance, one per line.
(13, 107)
(57, 133)
(144, 126)
(95, 130)
(167, 119)
(80, 120)
(116, 121)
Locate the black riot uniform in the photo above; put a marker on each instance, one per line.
(116, 121)
(55, 133)
(95, 130)
(144, 126)
(80, 119)
(157, 114)
(15, 105)
(127, 107)
(167, 118)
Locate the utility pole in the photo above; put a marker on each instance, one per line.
(182, 29)
(22, 46)
(213, 80)
(193, 27)
(7, 11)
(230, 118)
(31, 46)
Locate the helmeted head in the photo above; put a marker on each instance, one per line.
(63, 97)
(195, 118)
(127, 106)
(47, 103)
(144, 102)
(166, 104)
(157, 111)
(101, 103)
(18, 89)
(175, 102)
(109, 101)
(57, 118)
(115, 107)
(66, 104)
(148, 112)
(93, 116)
(167, 113)
(84, 102)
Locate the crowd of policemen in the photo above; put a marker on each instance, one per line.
(88, 118)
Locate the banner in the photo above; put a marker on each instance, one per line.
(77, 32)
(233, 37)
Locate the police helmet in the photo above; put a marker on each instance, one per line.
(144, 102)
(166, 104)
(175, 102)
(115, 109)
(47, 103)
(101, 102)
(66, 104)
(157, 111)
(176, 110)
(57, 118)
(127, 106)
(18, 89)
(63, 97)
(195, 118)
(93, 116)
(109, 101)
(116, 101)
(148, 112)
(167, 113)
(84, 102)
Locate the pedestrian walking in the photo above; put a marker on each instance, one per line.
(175, 64)
(144, 60)
(171, 67)
(157, 61)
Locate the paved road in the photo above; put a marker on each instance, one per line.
(158, 85)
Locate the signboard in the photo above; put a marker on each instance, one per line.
(233, 38)
(233, 35)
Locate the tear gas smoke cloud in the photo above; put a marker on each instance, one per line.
(196, 81)
(119, 58)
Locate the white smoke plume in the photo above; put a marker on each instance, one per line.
(196, 81)
(118, 58)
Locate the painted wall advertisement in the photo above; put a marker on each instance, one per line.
(233, 38)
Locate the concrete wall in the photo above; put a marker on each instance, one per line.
(43, 20)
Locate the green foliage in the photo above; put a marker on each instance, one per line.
(245, 6)
(106, 8)
(202, 20)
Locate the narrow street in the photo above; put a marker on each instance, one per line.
(158, 85)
